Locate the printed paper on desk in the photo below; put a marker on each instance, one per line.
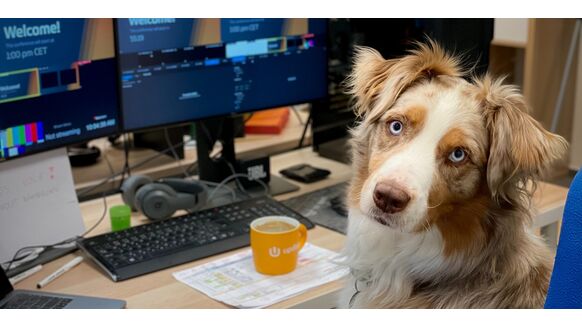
(234, 281)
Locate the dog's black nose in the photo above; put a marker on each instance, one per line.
(390, 198)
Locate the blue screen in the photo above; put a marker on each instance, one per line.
(58, 83)
(178, 70)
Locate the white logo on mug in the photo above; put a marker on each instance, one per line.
(274, 251)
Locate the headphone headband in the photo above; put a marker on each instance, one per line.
(159, 200)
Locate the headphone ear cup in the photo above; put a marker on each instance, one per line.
(130, 187)
(156, 201)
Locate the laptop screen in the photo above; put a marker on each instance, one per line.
(5, 285)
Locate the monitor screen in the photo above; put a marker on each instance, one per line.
(58, 83)
(179, 70)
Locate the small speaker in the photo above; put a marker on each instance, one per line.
(257, 168)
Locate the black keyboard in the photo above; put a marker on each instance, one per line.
(163, 244)
(30, 301)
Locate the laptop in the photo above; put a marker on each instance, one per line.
(24, 299)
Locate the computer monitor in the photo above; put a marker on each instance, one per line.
(179, 70)
(58, 83)
(183, 70)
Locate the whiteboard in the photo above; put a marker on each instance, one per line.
(38, 203)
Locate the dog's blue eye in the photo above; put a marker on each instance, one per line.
(457, 156)
(396, 128)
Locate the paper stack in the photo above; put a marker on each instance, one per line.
(234, 281)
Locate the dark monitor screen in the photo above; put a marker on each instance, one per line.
(58, 83)
(179, 70)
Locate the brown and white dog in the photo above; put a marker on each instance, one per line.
(439, 205)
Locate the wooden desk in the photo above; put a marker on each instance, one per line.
(161, 290)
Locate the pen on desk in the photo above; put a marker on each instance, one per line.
(23, 275)
(68, 266)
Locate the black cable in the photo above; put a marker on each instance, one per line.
(137, 165)
(296, 113)
(237, 181)
(126, 149)
(100, 219)
(176, 157)
(66, 241)
(306, 126)
(69, 240)
(126, 170)
(46, 248)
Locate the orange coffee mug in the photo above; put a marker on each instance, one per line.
(276, 241)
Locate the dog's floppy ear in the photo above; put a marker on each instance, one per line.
(376, 82)
(520, 148)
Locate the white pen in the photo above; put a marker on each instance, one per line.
(23, 275)
(68, 266)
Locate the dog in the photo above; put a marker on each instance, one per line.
(444, 170)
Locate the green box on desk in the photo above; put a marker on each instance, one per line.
(120, 216)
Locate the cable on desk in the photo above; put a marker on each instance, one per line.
(126, 169)
(174, 154)
(137, 165)
(234, 176)
(296, 112)
(109, 165)
(237, 181)
(305, 127)
(103, 215)
(187, 174)
(104, 196)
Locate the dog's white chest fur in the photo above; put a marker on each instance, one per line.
(386, 262)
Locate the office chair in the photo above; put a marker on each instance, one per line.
(565, 290)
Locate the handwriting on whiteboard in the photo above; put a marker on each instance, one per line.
(33, 187)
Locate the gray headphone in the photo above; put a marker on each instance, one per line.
(159, 200)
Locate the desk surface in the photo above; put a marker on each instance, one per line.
(161, 290)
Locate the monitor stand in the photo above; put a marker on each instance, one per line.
(217, 168)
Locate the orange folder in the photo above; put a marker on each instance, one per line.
(271, 121)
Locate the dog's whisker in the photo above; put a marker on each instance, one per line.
(439, 204)
(426, 224)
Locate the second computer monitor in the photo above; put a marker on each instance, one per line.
(179, 70)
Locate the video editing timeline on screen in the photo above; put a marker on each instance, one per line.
(57, 83)
(196, 68)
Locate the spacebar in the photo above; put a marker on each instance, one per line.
(182, 256)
